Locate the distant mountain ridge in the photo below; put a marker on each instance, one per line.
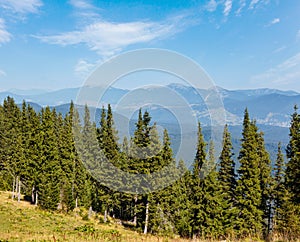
(270, 108)
(267, 106)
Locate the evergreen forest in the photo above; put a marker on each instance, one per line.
(218, 197)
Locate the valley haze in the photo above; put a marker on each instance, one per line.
(271, 108)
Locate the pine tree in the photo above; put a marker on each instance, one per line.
(227, 183)
(182, 208)
(197, 187)
(12, 149)
(293, 155)
(211, 201)
(107, 136)
(290, 223)
(248, 191)
(265, 183)
(81, 181)
(90, 154)
(144, 150)
(50, 171)
(161, 216)
(31, 136)
(278, 188)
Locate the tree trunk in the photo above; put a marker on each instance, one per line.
(76, 202)
(105, 215)
(90, 212)
(32, 195)
(135, 216)
(147, 217)
(36, 198)
(13, 190)
(269, 218)
(19, 190)
(61, 196)
(16, 186)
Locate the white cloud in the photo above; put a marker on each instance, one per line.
(21, 6)
(256, 3)
(242, 5)
(108, 38)
(211, 6)
(227, 7)
(2, 73)
(298, 35)
(84, 10)
(285, 73)
(81, 4)
(5, 36)
(280, 49)
(275, 21)
(253, 3)
(83, 68)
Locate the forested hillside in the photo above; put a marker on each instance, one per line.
(41, 158)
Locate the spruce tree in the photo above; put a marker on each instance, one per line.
(291, 204)
(31, 133)
(11, 145)
(278, 188)
(265, 183)
(182, 208)
(161, 216)
(107, 137)
(81, 181)
(293, 155)
(211, 201)
(248, 191)
(50, 171)
(145, 159)
(227, 183)
(197, 187)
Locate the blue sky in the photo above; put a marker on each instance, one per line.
(54, 44)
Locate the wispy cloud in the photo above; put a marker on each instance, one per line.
(241, 7)
(81, 4)
(256, 3)
(21, 6)
(83, 68)
(5, 36)
(253, 3)
(287, 72)
(211, 6)
(85, 10)
(227, 7)
(238, 7)
(274, 21)
(279, 49)
(2, 73)
(108, 38)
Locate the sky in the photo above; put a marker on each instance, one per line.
(241, 44)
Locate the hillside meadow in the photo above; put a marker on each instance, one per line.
(21, 221)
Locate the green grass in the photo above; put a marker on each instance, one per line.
(25, 222)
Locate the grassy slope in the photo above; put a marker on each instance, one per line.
(25, 222)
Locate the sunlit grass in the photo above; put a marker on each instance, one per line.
(25, 222)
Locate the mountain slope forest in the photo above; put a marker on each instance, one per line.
(39, 158)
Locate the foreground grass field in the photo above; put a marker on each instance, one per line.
(21, 221)
(25, 222)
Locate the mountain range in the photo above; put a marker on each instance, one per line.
(267, 106)
(270, 108)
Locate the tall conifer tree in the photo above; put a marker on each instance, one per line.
(248, 191)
